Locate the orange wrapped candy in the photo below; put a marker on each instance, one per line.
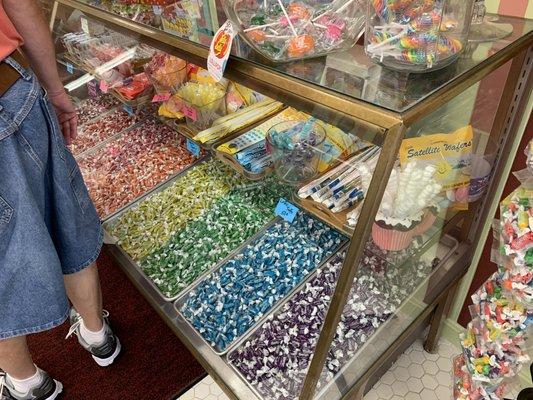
(257, 35)
(300, 45)
(298, 10)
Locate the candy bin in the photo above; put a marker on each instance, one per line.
(417, 35)
(167, 73)
(284, 30)
(295, 149)
(202, 104)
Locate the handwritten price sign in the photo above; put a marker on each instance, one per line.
(286, 210)
(193, 148)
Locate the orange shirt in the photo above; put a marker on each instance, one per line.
(9, 37)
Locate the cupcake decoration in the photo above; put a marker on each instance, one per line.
(408, 194)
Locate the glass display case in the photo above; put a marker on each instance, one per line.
(296, 225)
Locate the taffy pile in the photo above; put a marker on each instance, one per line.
(412, 33)
(284, 31)
(494, 346)
(276, 357)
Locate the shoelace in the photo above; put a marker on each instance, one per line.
(75, 326)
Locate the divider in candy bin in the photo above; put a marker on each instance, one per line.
(181, 301)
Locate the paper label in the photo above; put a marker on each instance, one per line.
(189, 112)
(193, 148)
(128, 109)
(160, 97)
(70, 68)
(103, 86)
(451, 153)
(220, 50)
(84, 26)
(286, 210)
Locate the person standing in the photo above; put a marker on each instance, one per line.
(50, 233)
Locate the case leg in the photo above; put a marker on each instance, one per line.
(437, 318)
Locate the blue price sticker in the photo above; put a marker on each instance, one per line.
(128, 109)
(70, 68)
(286, 210)
(193, 148)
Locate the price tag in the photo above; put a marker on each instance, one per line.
(189, 112)
(158, 10)
(160, 97)
(84, 26)
(70, 68)
(193, 148)
(103, 86)
(286, 210)
(128, 109)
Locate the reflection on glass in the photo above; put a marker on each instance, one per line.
(364, 69)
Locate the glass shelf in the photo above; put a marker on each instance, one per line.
(341, 81)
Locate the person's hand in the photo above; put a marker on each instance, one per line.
(66, 115)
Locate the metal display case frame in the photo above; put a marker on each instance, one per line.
(390, 128)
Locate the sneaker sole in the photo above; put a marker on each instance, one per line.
(105, 362)
(59, 389)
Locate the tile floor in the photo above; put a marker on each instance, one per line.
(416, 375)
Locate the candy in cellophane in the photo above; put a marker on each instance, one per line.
(417, 35)
(290, 30)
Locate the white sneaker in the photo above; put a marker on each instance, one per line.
(48, 389)
(103, 353)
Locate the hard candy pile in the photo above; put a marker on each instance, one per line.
(274, 360)
(92, 108)
(147, 226)
(412, 32)
(228, 302)
(210, 237)
(292, 30)
(133, 164)
(95, 132)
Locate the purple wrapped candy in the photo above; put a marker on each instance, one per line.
(275, 358)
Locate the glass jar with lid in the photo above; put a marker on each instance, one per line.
(417, 35)
(287, 30)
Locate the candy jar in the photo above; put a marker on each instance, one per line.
(284, 30)
(295, 148)
(417, 35)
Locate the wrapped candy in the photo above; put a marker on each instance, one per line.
(284, 31)
(416, 35)
(167, 73)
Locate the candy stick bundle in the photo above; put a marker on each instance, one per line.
(341, 188)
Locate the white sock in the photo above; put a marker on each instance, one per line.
(92, 337)
(25, 385)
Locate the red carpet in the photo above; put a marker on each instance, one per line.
(154, 364)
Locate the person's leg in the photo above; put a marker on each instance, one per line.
(83, 290)
(15, 358)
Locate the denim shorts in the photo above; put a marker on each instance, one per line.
(48, 224)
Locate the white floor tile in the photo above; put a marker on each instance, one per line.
(416, 375)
